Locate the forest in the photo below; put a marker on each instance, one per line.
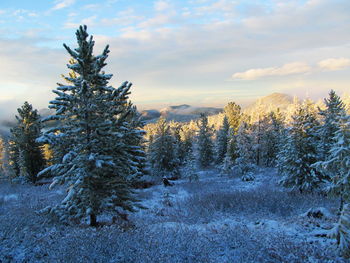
(269, 183)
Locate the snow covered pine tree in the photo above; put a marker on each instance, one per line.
(330, 121)
(222, 140)
(338, 163)
(101, 156)
(26, 156)
(205, 143)
(162, 152)
(296, 158)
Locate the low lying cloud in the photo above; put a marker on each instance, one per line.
(334, 63)
(330, 64)
(287, 69)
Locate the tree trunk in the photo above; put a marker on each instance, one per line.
(93, 221)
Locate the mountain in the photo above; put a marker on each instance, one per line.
(150, 114)
(181, 113)
(271, 102)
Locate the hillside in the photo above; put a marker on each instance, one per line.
(271, 102)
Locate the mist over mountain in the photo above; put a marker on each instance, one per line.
(181, 113)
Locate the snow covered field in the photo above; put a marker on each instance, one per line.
(217, 219)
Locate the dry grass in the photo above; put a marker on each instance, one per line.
(190, 230)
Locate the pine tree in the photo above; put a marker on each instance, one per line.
(245, 163)
(222, 141)
(175, 129)
(162, 151)
(259, 125)
(296, 159)
(338, 161)
(231, 154)
(341, 231)
(26, 154)
(13, 154)
(271, 138)
(189, 170)
(101, 144)
(234, 115)
(337, 164)
(186, 144)
(330, 122)
(205, 144)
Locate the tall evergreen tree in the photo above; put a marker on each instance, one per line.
(205, 143)
(338, 161)
(233, 114)
(26, 154)
(222, 141)
(341, 231)
(186, 144)
(245, 163)
(297, 157)
(101, 145)
(162, 151)
(271, 138)
(330, 122)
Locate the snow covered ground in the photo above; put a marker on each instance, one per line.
(217, 219)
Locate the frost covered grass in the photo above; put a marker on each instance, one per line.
(217, 219)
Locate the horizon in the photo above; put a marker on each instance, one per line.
(199, 52)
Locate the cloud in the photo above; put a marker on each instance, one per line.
(217, 6)
(63, 4)
(161, 5)
(287, 69)
(123, 18)
(334, 63)
(90, 21)
(171, 50)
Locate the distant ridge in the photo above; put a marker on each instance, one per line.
(181, 113)
(271, 102)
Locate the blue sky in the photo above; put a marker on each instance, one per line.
(200, 52)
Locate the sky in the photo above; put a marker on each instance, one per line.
(199, 52)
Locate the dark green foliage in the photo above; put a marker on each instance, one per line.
(271, 138)
(26, 156)
(162, 151)
(97, 137)
(205, 143)
(245, 162)
(299, 153)
(329, 123)
(222, 141)
(234, 115)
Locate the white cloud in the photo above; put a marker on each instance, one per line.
(217, 6)
(90, 21)
(161, 5)
(287, 69)
(122, 18)
(156, 21)
(63, 4)
(334, 63)
(91, 6)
